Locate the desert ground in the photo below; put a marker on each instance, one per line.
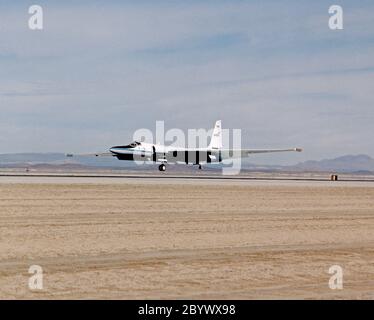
(178, 239)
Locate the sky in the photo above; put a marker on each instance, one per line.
(100, 70)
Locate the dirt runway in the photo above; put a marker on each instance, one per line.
(173, 240)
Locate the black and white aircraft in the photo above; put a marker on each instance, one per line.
(214, 153)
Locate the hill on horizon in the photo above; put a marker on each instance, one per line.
(344, 164)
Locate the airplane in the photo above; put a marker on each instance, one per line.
(163, 155)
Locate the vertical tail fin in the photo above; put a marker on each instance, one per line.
(216, 141)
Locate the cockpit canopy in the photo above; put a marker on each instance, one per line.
(131, 145)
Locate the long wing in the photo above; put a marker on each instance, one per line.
(104, 154)
(242, 153)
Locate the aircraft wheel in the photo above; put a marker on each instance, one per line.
(162, 167)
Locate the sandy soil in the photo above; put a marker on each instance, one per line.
(174, 240)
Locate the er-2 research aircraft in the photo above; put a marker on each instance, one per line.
(214, 153)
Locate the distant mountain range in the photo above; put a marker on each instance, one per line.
(348, 163)
(58, 161)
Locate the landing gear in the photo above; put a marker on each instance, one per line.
(162, 167)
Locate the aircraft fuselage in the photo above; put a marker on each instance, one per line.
(165, 154)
